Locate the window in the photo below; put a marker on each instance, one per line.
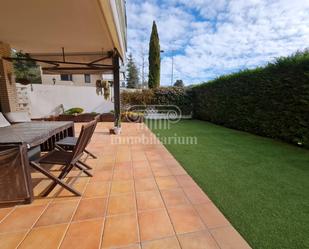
(66, 77)
(87, 78)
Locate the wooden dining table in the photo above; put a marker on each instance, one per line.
(17, 143)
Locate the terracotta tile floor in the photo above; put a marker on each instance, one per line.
(139, 198)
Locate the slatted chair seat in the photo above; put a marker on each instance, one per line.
(67, 141)
(70, 142)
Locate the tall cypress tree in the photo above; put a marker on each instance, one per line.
(154, 58)
(132, 73)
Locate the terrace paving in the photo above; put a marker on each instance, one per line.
(139, 198)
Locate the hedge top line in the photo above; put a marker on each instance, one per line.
(278, 64)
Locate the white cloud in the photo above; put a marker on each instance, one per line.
(211, 38)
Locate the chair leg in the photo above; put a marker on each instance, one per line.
(55, 179)
(84, 164)
(66, 170)
(90, 154)
(62, 175)
(84, 170)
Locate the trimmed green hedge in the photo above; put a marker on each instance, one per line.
(272, 101)
(177, 96)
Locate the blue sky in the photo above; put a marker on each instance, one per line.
(209, 38)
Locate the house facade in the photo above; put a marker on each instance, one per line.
(78, 79)
(71, 79)
(71, 38)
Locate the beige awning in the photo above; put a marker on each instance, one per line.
(82, 27)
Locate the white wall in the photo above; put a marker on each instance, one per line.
(46, 99)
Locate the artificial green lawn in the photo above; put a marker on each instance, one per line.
(261, 185)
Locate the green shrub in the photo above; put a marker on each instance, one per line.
(272, 101)
(177, 96)
(144, 97)
(75, 110)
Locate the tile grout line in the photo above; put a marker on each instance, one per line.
(190, 203)
(164, 204)
(199, 213)
(193, 205)
(202, 219)
(74, 212)
(107, 202)
(70, 222)
(181, 187)
(172, 236)
(30, 229)
(13, 209)
(136, 207)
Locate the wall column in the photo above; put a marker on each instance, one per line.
(8, 96)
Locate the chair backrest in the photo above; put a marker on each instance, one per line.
(96, 119)
(83, 140)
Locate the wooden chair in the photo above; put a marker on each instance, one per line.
(69, 159)
(70, 142)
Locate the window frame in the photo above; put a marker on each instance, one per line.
(66, 77)
(87, 81)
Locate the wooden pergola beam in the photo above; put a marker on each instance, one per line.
(56, 62)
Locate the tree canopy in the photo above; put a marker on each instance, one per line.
(179, 83)
(154, 58)
(26, 71)
(132, 73)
